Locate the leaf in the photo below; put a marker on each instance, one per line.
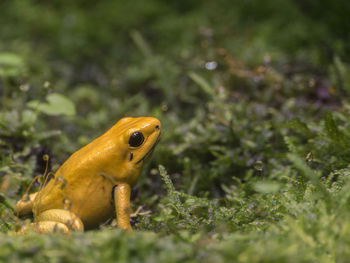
(312, 175)
(10, 59)
(57, 105)
(300, 127)
(267, 187)
(141, 43)
(28, 117)
(202, 83)
(333, 132)
(10, 64)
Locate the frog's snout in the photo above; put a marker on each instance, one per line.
(156, 123)
(157, 128)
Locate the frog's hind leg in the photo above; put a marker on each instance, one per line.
(24, 206)
(57, 220)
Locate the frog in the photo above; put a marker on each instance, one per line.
(95, 182)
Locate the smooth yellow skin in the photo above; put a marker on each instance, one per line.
(80, 194)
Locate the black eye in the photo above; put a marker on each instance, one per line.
(136, 139)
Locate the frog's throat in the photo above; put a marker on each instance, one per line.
(150, 150)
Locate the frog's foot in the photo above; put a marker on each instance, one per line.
(24, 206)
(43, 227)
(57, 220)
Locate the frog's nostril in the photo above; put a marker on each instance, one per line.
(157, 127)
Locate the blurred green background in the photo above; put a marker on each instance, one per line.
(253, 99)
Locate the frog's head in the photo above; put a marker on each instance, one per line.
(137, 138)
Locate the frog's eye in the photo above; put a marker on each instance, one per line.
(136, 139)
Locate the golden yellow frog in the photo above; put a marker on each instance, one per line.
(96, 181)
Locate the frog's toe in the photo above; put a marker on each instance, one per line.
(48, 219)
(43, 227)
(50, 226)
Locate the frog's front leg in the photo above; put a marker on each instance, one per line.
(57, 219)
(122, 205)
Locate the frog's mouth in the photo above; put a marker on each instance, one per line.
(149, 153)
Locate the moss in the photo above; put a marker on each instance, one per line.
(253, 102)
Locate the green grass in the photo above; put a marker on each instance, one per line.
(253, 165)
